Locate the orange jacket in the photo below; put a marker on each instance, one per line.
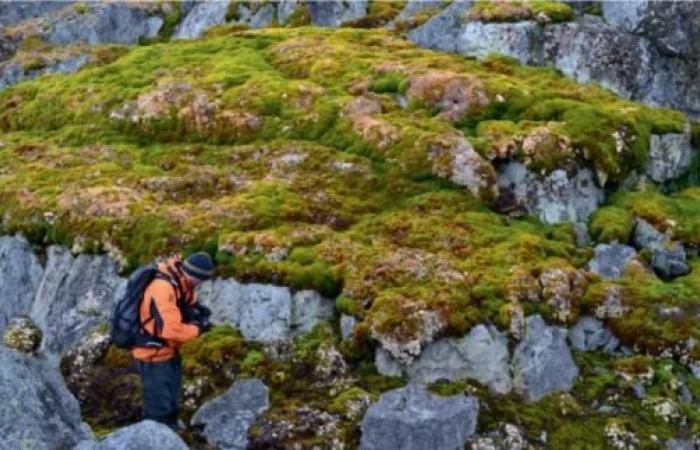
(169, 326)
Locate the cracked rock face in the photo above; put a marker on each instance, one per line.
(610, 260)
(668, 258)
(225, 420)
(411, 418)
(333, 14)
(36, 409)
(20, 275)
(517, 40)
(202, 16)
(554, 198)
(591, 334)
(542, 362)
(670, 155)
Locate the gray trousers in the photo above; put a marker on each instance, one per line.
(162, 386)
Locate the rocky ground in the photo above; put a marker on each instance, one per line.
(422, 244)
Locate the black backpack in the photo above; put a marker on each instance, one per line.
(126, 329)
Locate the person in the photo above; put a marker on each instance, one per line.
(170, 312)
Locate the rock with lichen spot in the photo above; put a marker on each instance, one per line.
(406, 348)
(411, 418)
(663, 408)
(23, 335)
(612, 306)
(193, 393)
(452, 93)
(454, 158)
(610, 260)
(522, 286)
(77, 364)
(619, 436)
(591, 334)
(286, 428)
(515, 317)
(670, 155)
(668, 258)
(562, 288)
(330, 363)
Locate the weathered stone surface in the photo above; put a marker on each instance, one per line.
(347, 326)
(670, 155)
(682, 444)
(442, 31)
(333, 14)
(225, 420)
(518, 40)
(264, 312)
(36, 409)
(287, 428)
(542, 362)
(102, 23)
(12, 73)
(668, 258)
(256, 18)
(481, 355)
(406, 348)
(20, 275)
(591, 334)
(12, 13)
(76, 294)
(202, 16)
(562, 287)
(610, 260)
(23, 335)
(142, 435)
(555, 198)
(410, 418)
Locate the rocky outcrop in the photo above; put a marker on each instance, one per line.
(410, 418)
(101, 23)
(517, 40)
(264, 312)
(670, 155)
(36, 409)
(202, 16)
(554, 198)
(224, 421)
(12, 13)
(333, 14)
(20, 275)
(442, 31)
(610, 260)
(23, 335)
(12, 73)
(542, 362)
(76, 294)
(591, 334)
(668, 258)
(480, 355)
(142, 435)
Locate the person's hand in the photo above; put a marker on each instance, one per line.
(202, 310)
(204, 325)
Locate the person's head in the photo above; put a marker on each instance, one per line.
(198, 267)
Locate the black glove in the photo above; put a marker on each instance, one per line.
(203, 324)
(202, 310)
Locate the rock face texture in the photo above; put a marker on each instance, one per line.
(542, 362)
(264, 312)
(20, 275)
(36, 409)
(668, 257)
(640, 49)
(225, 420)
(410, 418)
(12, 73)
(610, 260)
(145, 434)
(75, 295)
(333, 14)
(590, 334)
(554, 198)
(670, 155)
(481, 355)
(202, 16)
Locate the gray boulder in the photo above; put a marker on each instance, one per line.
(554, 198)
(333, 14)
(102, 23)
(481, 355)
(442, 31)
(542, 362)
(142, 435)
(670, 155)
(668, 258)
(201, 16)
(36, 409)
(411, 418)
(591, 334)
(76, 294)
(20, 275)
(518, 40)
(264, 312)
(610, 260)
(225, 420)
(347, 326)
(12, 73)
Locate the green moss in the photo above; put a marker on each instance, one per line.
(611, 224)
(514, 11)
